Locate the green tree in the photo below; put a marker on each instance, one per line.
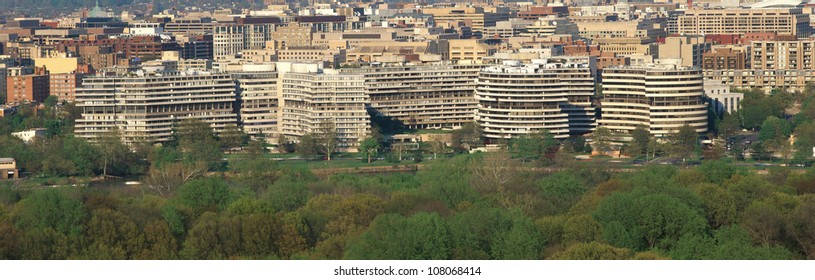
(757, 107)
(113, 151)
(232, 137)
(560, 191)
(641, 222)
(205, 194)
(685, 142)
(521, 242)
(804, 141)
(764, 222)
(533, 146)
(467, 137)
(720, 206)
(423, 236)
(641, 137)
(801, 225)
(112, 235)
(592, 251)
(159, 242)
(308, 145)
(196, 140)
(369, 148)
(59, 209)
(288, 193)
(256, 173)
(602, 138)
(326, 136)
(729, 126)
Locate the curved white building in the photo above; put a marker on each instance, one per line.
(515, 99)
(662, 98)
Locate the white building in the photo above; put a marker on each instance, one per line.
(553, 95)
(663, 98)
(145, 107)
(30, 134)
(312, 97)
(721, 99)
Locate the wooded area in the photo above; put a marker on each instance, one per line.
(481, 206)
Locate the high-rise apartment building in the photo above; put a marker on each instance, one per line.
(259, 101)
(422, 96)
(783, 55)
(663, 98)
(28, 87)
(554, 95)
(145, 107)
(313, 99)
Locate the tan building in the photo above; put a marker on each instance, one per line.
(663, 98)
(62, 65)
(725, 57)
(766, 80)
(783, 21)
(330, 58)
(258, 55)
(555, 96)
(292, 35)
(423, 96)
(689, 49)
(370, 51)
(783, 55)
(352, 39)
(627, 46)
(620, 29)
(469, 50)
(8, 169)
(453, 16)
(63, 85)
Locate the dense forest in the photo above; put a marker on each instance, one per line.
(481, 206)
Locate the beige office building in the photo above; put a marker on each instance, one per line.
(620, 29)
(468, 50)
(422, 97)
(146, 107)
(552, 95)
(452, 16)
(663, 98)
(783, 21)
(292, 35)
(689, 50)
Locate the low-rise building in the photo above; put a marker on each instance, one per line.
(721, 99)
(8, 169)
(29, 134)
